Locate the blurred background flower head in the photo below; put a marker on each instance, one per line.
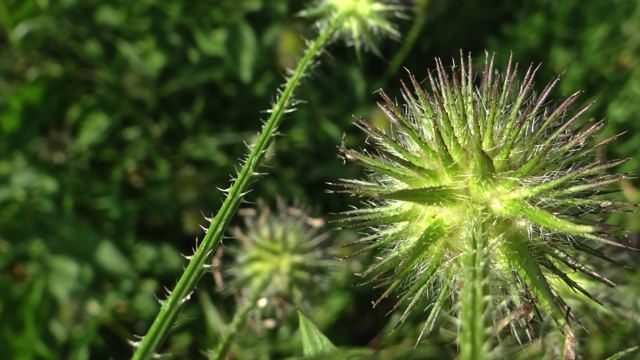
(287, 243)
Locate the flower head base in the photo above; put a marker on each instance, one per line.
(284, 245)
(363, 20)
(485, 183)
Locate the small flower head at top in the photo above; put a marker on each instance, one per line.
(364, 20)
(484, 182)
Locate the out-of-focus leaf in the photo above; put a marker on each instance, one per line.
(34, 24)
(65, 277)
(211, 43)
(243, 48)
(92, 130)
(107, 15)
(18, 180)
(112, 259)
(25, 95)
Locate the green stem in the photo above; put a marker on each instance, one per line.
(240, 317)
(170, 309)
(407, 45)
(473, 329)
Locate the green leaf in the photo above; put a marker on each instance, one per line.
(108, 16)
(211, 43)
(110, 258)
(21, 98)
(92, 131)
(314, 343)
(242, 45)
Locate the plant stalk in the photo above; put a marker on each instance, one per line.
(170, 308)
(240, 317)
(407, 45)
(473, 330)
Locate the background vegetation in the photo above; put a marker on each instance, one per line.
(119, 119)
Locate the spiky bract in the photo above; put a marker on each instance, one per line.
(285, 244)
(487, 178)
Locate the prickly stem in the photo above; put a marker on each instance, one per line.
(169, 311)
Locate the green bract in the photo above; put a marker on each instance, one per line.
(485, 194)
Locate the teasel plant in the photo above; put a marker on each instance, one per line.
(485, 196)
(278, 260)
(357, 21)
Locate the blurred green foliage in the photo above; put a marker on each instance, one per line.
(119, 119)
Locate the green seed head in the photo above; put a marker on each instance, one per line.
(486, 166)
(284, 244)
(363, 20)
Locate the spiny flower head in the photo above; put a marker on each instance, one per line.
(491, 171)
(363, 20)
(285, 244)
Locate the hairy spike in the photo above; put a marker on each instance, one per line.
(569, 282)
(435, 311)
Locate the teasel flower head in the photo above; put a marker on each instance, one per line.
(488, 181)
(285, 246)
(364, 20)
